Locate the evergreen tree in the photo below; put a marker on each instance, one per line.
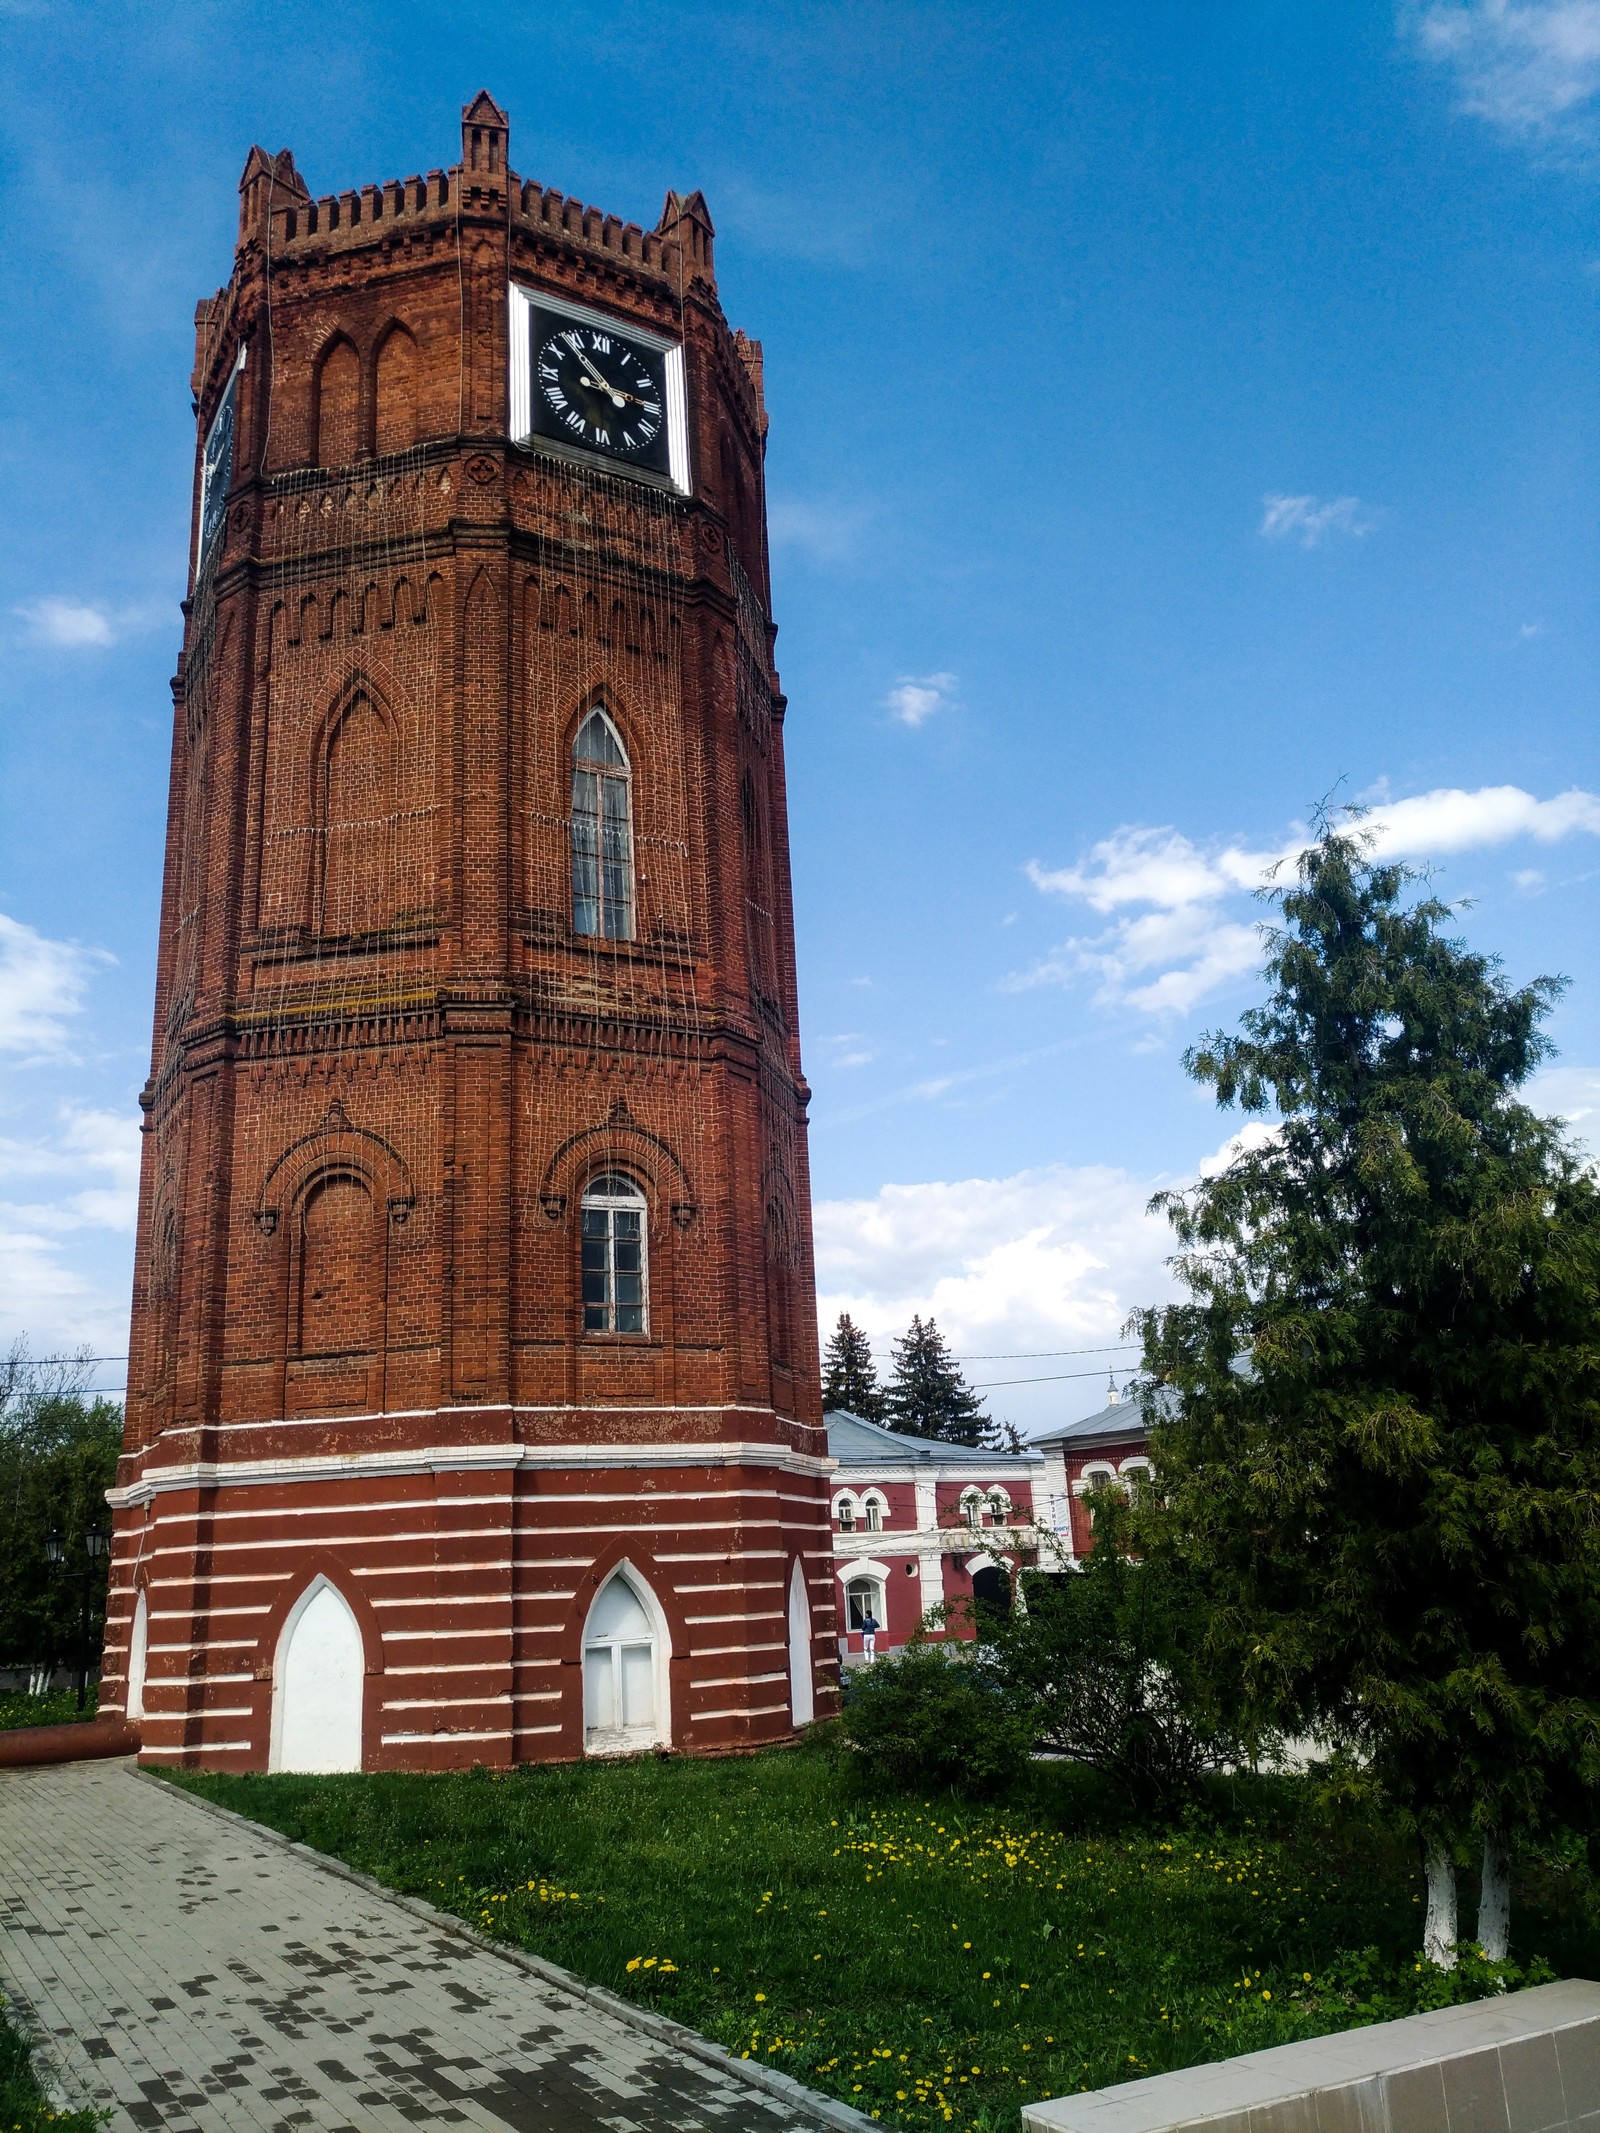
(928, 1396)
(1383, 1459)
(849, 1375)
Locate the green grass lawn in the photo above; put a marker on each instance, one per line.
(58, 1709)
(932, 1962)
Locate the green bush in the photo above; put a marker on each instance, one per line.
(925, 1717)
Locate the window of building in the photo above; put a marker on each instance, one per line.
(972, 1509)
(846, 1512)
(602, 832)
(615, 1291)
(621, 1704)
(873, 1509)
(863, 1597)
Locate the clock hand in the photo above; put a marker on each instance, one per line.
(604, 385)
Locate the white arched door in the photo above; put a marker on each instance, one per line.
(317, 1685)
(138, 1649)
(624, 1707)
(802, 1687)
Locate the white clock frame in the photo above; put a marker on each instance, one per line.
(524, 302)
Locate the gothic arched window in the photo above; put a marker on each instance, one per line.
(602, 832)
(615, 1276)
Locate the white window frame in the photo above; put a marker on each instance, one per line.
(611, 1204)
(879, 1607)
(847, 1500)
(524, 302)
(602, 773)
(874, 1511)
(624, 1740)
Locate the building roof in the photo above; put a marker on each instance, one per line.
(1121, 1420)
(854, 1442)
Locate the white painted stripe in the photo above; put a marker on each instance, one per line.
(729, 1651)
(537, 1696)
(444, 1739)
(443, 1703)
(538, 1729)
(421, 1636)
(766, 1710)
(458, 1459)
(738, 1681)
(210, 1747)
(699, 1621)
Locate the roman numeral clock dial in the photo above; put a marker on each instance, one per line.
(599, 390)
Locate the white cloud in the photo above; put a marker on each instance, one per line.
(42, 983)
(1531, 68)
(1053, 1258)
(67, 1198)
(915, 697)
(1571, 1093)
(1309, 520)
(84, 625)
(68, 623)
(1450, 820)
(827, 533)
(1180, 932)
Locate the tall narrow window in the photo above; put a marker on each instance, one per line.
(602, 832)
(615, 1291)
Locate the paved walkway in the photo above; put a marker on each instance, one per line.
(195, 1977)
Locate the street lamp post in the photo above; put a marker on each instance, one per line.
(96, 1545)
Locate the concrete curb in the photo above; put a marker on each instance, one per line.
(784, 2086)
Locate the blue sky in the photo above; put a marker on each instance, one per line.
(1179, 414)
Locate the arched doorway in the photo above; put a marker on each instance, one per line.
(624, 1684)
(802, 1687)
(991, 1592)
(317, 1684)
(138, 1649)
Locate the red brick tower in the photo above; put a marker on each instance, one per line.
(473, 1405)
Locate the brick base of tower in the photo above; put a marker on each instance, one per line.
(471, 1560)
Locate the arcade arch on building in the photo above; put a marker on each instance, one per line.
(138, 1656)
(318, 1684)
(802, 1679)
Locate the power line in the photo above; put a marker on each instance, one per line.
(1035, 1355)
(39, 1359)
(1059, 1377)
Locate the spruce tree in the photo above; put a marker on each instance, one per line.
(1383, 1459)
(849, 1376)
(928, 1396)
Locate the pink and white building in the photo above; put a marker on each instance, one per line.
(918, 1522)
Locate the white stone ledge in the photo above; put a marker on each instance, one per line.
(1527, 2063)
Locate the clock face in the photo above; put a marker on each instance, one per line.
(216, 472)
(599, 389)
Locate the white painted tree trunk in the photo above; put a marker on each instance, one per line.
(1439, 1933)
(1494, 1898)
